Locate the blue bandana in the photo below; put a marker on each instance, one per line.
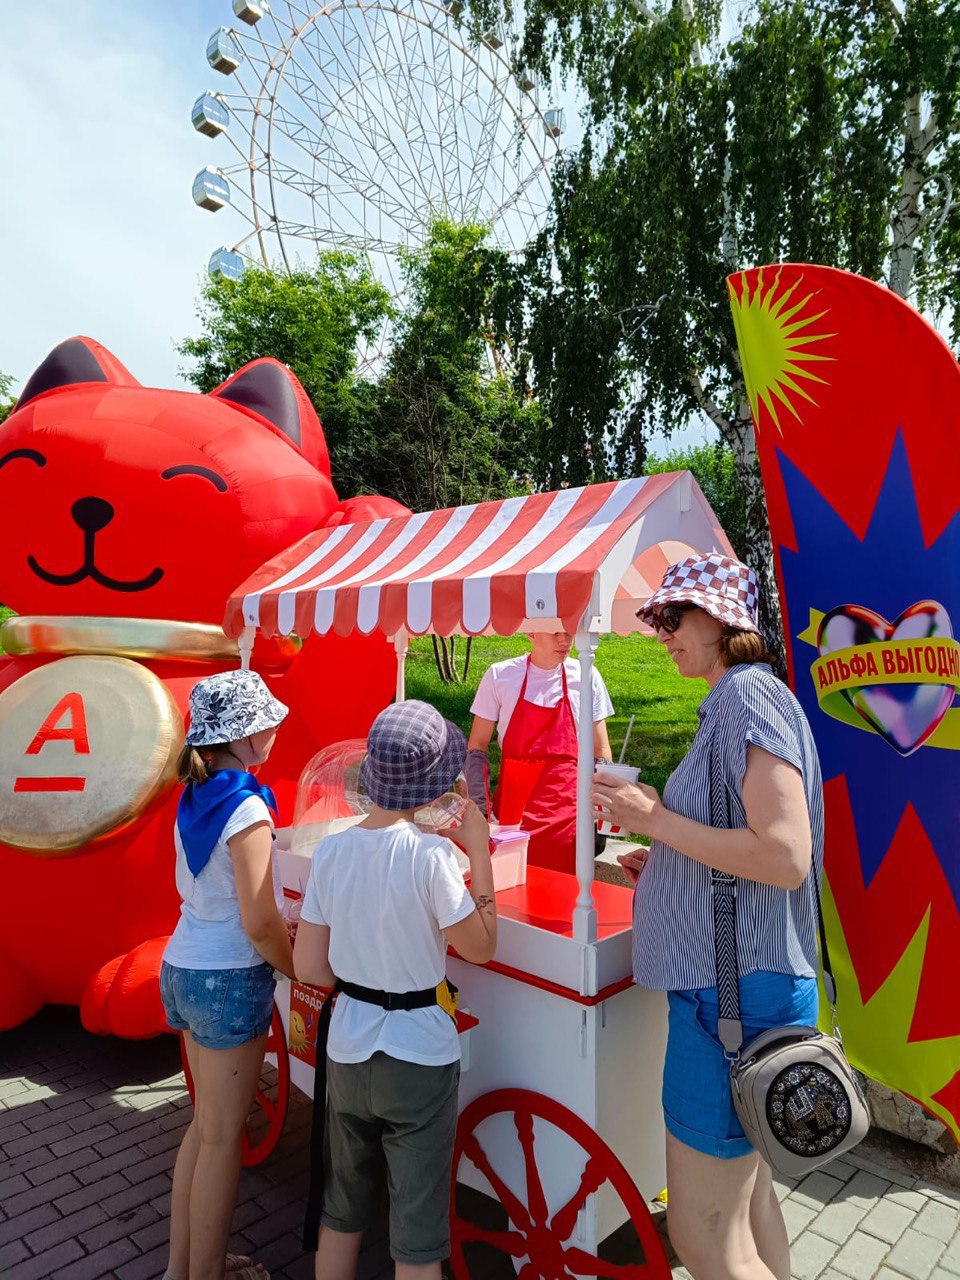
(206, 807)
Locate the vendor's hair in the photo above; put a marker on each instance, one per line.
(191, 766)
(737, 647)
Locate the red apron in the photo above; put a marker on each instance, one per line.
(537, 788)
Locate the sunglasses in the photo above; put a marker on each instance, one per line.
(670, 617)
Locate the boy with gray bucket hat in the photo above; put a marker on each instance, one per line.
(383, 900)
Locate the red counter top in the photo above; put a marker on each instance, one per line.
(548, 898)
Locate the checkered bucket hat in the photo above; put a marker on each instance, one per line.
(229, 706)
(724, 588)
(413, 756)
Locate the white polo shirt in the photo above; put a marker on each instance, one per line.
(499, 691)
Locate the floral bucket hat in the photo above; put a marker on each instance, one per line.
(229, 706)
(724, 588)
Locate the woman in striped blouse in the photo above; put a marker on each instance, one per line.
(724, 1217)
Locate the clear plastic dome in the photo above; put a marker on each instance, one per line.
(331, 797)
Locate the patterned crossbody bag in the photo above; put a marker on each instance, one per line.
(795, 1094)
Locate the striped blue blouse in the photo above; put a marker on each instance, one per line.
(673, 947)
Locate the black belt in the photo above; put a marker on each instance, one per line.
(389, 1000)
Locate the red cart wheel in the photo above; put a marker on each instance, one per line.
(531, 1232)
(269, 1111)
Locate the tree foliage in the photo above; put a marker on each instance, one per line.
(714, 470)
(8, 402)
(310, 320)
(452, 424)
(824, 131)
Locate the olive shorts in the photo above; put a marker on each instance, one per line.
(402, 1114)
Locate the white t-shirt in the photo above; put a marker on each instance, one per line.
(210, 934)
(499, 691)
(386, 895)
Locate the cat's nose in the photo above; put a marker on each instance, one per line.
(92, 514)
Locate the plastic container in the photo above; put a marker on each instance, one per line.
(508, 855)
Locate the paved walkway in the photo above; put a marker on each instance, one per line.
(89, 1130)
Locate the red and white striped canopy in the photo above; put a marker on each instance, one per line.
(496, 567)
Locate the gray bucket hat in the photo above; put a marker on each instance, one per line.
(413, 756)
(231, 705)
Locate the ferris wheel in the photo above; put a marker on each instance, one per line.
(355, 123)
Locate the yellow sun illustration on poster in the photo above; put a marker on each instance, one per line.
(773, 333)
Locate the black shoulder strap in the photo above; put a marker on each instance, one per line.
(730, 1028)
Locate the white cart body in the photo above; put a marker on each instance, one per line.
(558, 1012)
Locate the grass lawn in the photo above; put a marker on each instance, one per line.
(640, 677)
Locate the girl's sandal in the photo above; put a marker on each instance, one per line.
(240, 1267)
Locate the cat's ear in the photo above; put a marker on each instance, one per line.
(268, 388)
(74, 361)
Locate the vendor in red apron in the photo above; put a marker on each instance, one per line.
(533, 702)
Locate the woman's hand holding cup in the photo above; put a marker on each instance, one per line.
(628, 804)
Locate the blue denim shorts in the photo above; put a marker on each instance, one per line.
(697, 1101)
(221, 1008)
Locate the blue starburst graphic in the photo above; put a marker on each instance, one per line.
(888, 571)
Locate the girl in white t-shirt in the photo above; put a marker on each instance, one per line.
(216, 980)
(382, 901)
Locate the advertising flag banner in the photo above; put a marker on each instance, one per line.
(856, 405)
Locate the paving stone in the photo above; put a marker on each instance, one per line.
(122, 1225)
(74, 1163)
(13, 1253)
(64, 1146)
(47, 1118)
(940, 1273)
(39, 1195)
(11, 1116)
(158, 1232)
(45, 1264)
(912, 1200)
(141, 1170)
(937, 1219)
(167, 1140)
(839, 1168)
(915, 1254)
(887, 1172)
(34, 1140)
(127, 1138)
(14, 1131)
(67, 1228)
(147, 1267)
(949, 1195)
(98, 1168)
(866, 1188)
(92, 1193)
(950, 1258)
(797, 1217)
(87, 1093)
(271, 1225)
(11, 1186)
(816, 1189)
(887, 1221)
(810, 1254)
(140, 1194)
(17, 1228)
(97, 1265)
(839, 1220)
(861, 1256)
(28, 1161)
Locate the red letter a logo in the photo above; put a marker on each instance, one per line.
(75, 730)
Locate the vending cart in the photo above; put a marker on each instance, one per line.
(560, 1129)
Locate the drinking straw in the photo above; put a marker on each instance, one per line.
(626, 739)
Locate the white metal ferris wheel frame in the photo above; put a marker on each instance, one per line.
(277, 64)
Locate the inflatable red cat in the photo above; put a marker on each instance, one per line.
(130, 514)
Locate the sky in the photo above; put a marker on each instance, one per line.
(101, 235)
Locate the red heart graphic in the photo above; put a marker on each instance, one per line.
(905, 715)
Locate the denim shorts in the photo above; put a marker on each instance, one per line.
(221, 1008)
(697, 1101)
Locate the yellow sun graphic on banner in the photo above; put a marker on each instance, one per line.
(773, 336)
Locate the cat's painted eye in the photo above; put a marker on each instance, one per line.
(30, 454)
(187, 470)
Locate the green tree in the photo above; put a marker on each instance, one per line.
(452, 419)
(824, 131)
(8, 402)
(312, 321)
